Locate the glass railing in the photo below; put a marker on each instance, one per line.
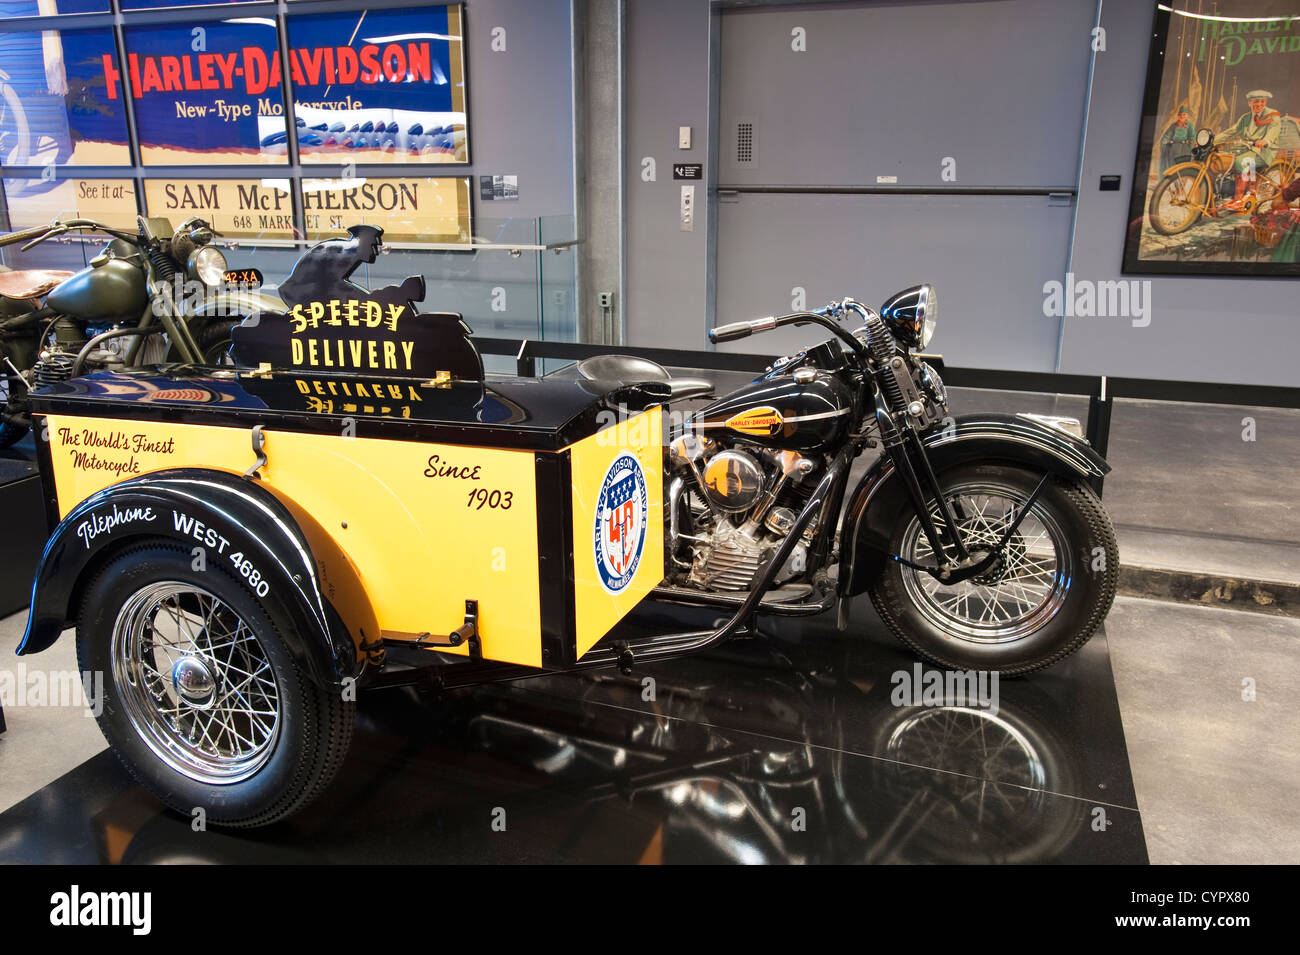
(517, 279)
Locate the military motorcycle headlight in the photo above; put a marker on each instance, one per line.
(911, 314)
(207, 265)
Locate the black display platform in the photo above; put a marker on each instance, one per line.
(785, 748)
(22, 503)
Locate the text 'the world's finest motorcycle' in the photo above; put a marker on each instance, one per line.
(979, 538)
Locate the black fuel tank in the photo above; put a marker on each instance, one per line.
(114, 289)
(782, 413)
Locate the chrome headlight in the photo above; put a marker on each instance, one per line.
(911, 315)
(207, 265)
(1204, 137)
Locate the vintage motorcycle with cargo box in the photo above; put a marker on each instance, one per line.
(356, 503)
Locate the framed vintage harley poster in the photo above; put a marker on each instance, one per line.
(1219, 143)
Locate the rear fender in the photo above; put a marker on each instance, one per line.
(995, 438)
(219, 514)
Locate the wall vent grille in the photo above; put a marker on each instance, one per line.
(744, 143)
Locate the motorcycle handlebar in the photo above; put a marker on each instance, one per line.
(22, 235)
(729, 333)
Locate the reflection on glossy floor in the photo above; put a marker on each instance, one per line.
(782, 749)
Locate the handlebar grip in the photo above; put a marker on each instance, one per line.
(10, 238)
(729, 333)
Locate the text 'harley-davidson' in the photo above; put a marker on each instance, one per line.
(979, 538)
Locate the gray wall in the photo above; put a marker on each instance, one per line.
(837, 116)
(669, 294)
(521, 103)
(667, 86)
(987, 256)
(890, 88)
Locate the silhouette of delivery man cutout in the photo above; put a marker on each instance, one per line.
(323, 274)
(324, 271)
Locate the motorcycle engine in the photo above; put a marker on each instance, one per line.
(730, 508)
(59, 354)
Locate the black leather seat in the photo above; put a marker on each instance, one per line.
(631, 370)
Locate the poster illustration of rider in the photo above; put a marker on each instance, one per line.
(1255, 134)
(1220, 142)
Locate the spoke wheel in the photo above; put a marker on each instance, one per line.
(1023, 590)
(205, 701)
(1041, 601)
(1178, 203)
(197, 684)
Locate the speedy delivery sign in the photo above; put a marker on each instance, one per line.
(371, 87)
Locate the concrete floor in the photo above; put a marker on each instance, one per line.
(42, 742)
(1214, 774)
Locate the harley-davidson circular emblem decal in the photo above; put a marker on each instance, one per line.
(620, 523)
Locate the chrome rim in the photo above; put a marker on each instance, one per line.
(972, 743)
(195, 682)
(1020, 595)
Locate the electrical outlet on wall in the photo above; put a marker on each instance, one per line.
(688, 208)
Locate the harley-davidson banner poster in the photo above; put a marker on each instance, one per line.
(366, 87)
(1220, 142)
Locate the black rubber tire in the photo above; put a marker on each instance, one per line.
(1085, 524)
(1157, 221)
(214, 340)
(317, 722)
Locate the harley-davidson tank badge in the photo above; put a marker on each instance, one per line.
(764, 421)
(620, 523)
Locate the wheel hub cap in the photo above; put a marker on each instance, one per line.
(194, 682)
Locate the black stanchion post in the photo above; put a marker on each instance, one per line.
(1099, 407)
(525, 364)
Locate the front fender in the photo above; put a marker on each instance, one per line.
(238, 303)
(879, 497)
(218, 512)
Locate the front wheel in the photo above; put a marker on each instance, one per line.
(202, 699)
(1042, 601)
(1179, 201)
